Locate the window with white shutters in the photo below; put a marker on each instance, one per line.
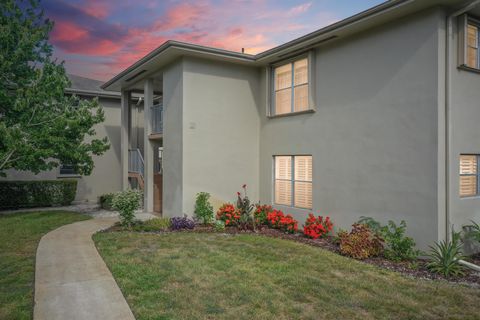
(290, 87)
(293, 181)
(473, 39)
(469, 42)
(469, 175)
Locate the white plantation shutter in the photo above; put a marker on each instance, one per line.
(283, 77)
(298, 182)
(303, 195)
(303, 182)
(468, 175)
(301, 98)
(301, 72)
(472, 46)
(303, 168)
(283, 180)
(283, 101)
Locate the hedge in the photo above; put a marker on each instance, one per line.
(40, 193)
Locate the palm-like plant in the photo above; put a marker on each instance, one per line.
(474, 231)
(444, 256)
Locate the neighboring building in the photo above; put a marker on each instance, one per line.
(106, 176)
(376, 115)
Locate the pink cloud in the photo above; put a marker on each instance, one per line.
(68, 31)
(96, 9)
(232, 25)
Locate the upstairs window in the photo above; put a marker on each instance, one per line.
(291, 87)
(469, 42)
(469, 175)
(473, 39)
(293, 181)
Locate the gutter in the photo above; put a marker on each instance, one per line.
(181, 45)
(448, 89)
(105, 94)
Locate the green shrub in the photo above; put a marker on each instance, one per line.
(398, 246)
(203, 208)
(39, 193)
(106, 201)
(126, 202)
(372, 224)
(152, 225)
(219, 225)
(444, 256)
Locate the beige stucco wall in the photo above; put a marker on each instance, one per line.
(106, 174)
(374, 134)
(464, 137)
(221, 131)
(173, 140)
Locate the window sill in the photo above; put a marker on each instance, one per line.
(291, 207)
(470, 197)
(467, 68)
(291, 114)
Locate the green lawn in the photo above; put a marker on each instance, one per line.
(19, 237)
(205, 276)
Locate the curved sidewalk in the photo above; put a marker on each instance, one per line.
(72, 281)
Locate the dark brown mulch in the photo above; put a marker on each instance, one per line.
(416, 269)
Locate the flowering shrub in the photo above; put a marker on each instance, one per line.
(361, 242)
(260, 214)
(228, 214)
(278, 220)
(178, 223)
(317, 227)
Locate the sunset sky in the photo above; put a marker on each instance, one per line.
(100, 38)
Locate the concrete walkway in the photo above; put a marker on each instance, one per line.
(72, 281)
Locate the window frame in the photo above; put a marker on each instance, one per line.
(73, 172)
(272, 87)
(477, 175)
(465, 21)
(292, 180)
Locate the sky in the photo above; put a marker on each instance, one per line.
(100, 38)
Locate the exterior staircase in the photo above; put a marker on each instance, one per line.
(136, 168)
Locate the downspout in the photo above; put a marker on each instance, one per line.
(448, 87)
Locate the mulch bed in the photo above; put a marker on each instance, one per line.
(416, 269)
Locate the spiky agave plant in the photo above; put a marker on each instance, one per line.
(444, 256)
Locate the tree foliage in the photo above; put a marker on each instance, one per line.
(40, 126)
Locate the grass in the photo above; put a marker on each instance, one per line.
(205, 276)
(19, 237)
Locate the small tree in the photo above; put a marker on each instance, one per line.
(203, 208)
(40, 126)
(126, 202)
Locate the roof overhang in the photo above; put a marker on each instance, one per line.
(153, 63)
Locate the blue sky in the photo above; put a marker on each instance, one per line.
(99, 38)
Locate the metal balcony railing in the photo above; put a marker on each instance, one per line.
(157, 118)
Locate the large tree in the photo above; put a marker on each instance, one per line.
(40, 126)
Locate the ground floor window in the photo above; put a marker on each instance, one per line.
(469, 175)
(293, 181)
(67, 169)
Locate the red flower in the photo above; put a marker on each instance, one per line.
(317, 227)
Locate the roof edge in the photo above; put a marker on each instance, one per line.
(371, 12)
